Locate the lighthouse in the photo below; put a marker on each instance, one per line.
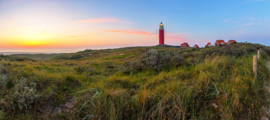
(161, 34)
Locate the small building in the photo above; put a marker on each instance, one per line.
(231, 41)
(196, 46)
(219, 42)
(184, 45)
(208, 45)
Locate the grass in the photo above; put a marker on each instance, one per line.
(96, 87)
(36, 57)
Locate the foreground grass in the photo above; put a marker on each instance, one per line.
(183, 93)
(93, 87)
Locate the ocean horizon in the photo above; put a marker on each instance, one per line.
(12, 53)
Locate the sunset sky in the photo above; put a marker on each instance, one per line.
(72, 25)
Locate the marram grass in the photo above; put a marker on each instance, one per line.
(94, 87)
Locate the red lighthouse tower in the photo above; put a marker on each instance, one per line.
(161, 34)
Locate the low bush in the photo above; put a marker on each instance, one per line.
(177, 61)
(131, 67)
(2, 115)
(10, 84)
(24, 96)
(80, 69)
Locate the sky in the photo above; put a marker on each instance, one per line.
(63, 26)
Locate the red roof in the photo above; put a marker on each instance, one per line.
(196, 46)
(231, 41)
(218, 42)
(183, 45)
(208, 44)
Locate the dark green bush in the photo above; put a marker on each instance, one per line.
(10, 84)
(191, 61)
(177, 61)
(187, 55)
(108, 65)
(264, 54)
(70, 79)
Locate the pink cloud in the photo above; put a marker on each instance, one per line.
(135, 32)
(175, 37)
(169, 37)
(180, 38)
(147, 38)
(100, 20)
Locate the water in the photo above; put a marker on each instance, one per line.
(11, 53)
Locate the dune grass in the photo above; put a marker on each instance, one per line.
(188, 84)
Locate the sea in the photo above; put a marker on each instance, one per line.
(11, 53)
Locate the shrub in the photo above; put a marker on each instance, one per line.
(70, 82)
(150, 58)
(154, 60)
(264, 54)
(79, 69)
(130, 67)
(10, 84)
(92, 71)
(267, 50)
(186, 55)
(177, 61)
(165, 59)
(24, 95)
(70, 79)
(2, 81)
(191, 61)
(75, 57)
(108, 65)
(2, 115)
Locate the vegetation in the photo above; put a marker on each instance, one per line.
(13, 58)
(37, 57)
(137, 83)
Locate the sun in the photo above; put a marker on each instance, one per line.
(33, 42)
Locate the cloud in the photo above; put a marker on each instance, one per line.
(135, 32)
(100, 20)
(172, 37)
(175, 37)
(180, 38)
